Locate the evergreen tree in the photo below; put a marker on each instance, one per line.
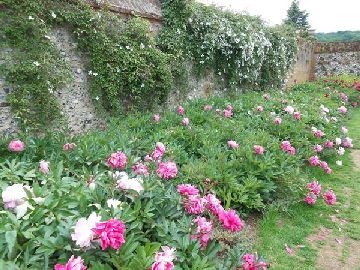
(297, 17)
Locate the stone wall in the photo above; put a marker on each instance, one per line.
(7, 119)
(74, 98)
(337, 58)
(303, 67)
(147, 9)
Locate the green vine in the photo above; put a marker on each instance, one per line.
(240, 49)
(130, 69)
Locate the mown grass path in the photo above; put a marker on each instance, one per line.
(320, 236)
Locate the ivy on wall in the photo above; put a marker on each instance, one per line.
(128, 68)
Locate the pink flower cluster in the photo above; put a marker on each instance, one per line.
(164, 259)
(194, 204)
(347, 143)
(69, 146)
(329, 144)
(203, 231)
(259, 150)
(315, 161)
(259, 108)
(156, 118)
(72, 264)
(277, 121)
(318, 133)
(111, 233)
(297, 115)
(233, 144)
(208, 107)
(159, 151)
(180, 110)
(16, 146)
(140, 169)
(250, 263)
(228, 112)
(314, 192)
(342, 109)
(117, 160)
(167, 170)
(187, 190)
(286, 147)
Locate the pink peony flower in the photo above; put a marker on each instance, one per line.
(140, 169)
(292, 150)
(156, 118)
(72, 264)
(344, 97)
(342, 109)
(329, 144)
(233, 144)
(162, 266)
(69, 146)
(318, 148)
(266, 96)
(323, 164)
(328, 170)
(310, 199)
(111, 233)
(204, 230)
(213, 204)
(228, 113)
(208, 108)
(194, 204)
(187, 189)
(314, 187)
(329, 197)
(285, 146)
(314, 161)
(163, 260)
(217, 110)
(167, 170)
(277, 121)
(318, 133)
(347, 143)
(259, 150)
(229, 107)
(180, 110)
(16, 146)
(44, 166)
(185, 121)
(159, 151)
(297, 115)
(117, 160)
(231, 220)
(83, 233)
(259, 108)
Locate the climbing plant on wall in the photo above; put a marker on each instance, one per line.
(128, 68)
(240, 48)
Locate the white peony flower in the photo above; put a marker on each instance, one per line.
(15, 197)
(113, 203)
(83, 234)
(344, 130)
(338, 141)
(341, 151)
(339, 162)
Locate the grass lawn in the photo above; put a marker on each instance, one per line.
(321, 237)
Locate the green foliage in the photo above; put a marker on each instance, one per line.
(339, 36)
(35, 71)
(127, 70)
(236, 47)
(297, 17)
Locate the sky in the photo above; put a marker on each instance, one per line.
(324, 15)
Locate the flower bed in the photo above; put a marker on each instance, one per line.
(162, 192)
